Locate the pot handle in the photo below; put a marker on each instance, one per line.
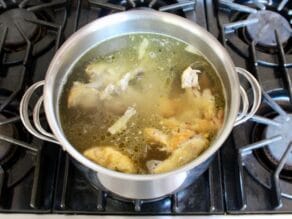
(248, 110)
(36, 128)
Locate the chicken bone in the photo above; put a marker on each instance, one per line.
(190, 79)
(121, 124)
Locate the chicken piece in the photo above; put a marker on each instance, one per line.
(208, 104)
(205, 126)
(121, 124)
(184, 153)
(190, 79)
(80, 95)
(123, 83)
(196, 126)
(169, 108)
(107, 92)
(95, 69)
(171, 123)
(155, 136)
(115, 106)
(180, 132)
(168, 143)
(218, 120)
(142, 48)
(179, 137)
(101, 74)
(111, 158)
(152, 164)
(203, 103)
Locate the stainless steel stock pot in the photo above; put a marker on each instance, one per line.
(137, 21)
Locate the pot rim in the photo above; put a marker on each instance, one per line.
(118, 18)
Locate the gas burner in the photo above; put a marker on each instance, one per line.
(267, 158)
(29, 28)
(17, 148)
(162, 5)
(6, 148)
(277, 149)
(270, 155)
(18, 17)
(253, 25)
(263, 31)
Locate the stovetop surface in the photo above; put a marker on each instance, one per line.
(38, 177)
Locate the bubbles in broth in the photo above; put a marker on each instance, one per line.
(142, 104)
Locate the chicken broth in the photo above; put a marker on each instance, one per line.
(144, 103)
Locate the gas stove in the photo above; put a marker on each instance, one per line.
(251, 174)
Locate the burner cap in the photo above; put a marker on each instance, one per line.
(277, 149)
(263, 32)
(5, 147)
(17, 15)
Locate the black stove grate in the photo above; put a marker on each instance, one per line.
(271, 67)
(50, 182)
(75, 195)
(28, 175)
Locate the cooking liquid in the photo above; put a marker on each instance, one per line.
(163, 62)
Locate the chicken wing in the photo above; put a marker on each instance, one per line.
(184, 153)
(111, 158)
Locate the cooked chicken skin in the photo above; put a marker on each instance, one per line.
(155, 136)
(81, 95)
(203, 103)
(205, 126)
(166, 142)
(197, 126)
(111, 158)
(185, 152)
(179, 137)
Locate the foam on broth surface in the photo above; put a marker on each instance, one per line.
(161, 60)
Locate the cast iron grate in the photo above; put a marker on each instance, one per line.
(271, 67)
(25, 178)
(29, 26)
(203, 197)
(243, 24)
